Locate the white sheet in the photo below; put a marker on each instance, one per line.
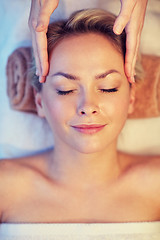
(22, 133)
(108, 231)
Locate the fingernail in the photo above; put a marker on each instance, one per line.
(37, 73)
(118, 29)
(42, 79)
(128, 70)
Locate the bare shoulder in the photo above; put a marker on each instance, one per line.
(149, 169)
(140, 162)
(148, 179)
(8, 184)
(20, 168)
(147, 166)
(145, 171)
(17, 176)
(16, 166)
(12, 172)
(9, 170)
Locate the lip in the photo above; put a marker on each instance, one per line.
(89, 128)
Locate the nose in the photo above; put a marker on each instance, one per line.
(87, 105)
(86, 111)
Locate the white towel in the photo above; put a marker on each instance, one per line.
(98, 231)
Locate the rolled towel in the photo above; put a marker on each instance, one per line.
(19, 89)
(147, 102)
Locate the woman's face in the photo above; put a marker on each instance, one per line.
(86, 97)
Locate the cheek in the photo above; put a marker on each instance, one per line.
(58, 110)
(123, 108)
(117, 107)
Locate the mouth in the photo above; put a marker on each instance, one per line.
(89, 129)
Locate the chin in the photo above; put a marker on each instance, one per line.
(89, 148)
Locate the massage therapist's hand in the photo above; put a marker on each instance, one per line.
(40, 13)
(131, 17)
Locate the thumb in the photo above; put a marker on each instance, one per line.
(127, 7)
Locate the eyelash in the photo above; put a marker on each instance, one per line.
(59, 92)
(111, 90)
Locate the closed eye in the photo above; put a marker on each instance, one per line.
(59, 92)
(110, 90)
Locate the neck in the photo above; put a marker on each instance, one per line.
(84, 171)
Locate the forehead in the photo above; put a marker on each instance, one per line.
(90, 50)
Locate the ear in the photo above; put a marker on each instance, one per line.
(39, 104)
(132, 98)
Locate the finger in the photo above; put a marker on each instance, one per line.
(36, 54)
(32, 22)
(127, 7)
(46, 9)
(41, 41)
(42, 79)
(141, 22)
(133, 32)
(131, 46)
(133, 73)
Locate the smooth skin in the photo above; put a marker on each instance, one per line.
(84, 178)
(131, 17)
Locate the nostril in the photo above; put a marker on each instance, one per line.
(82, 112)
(94, 112)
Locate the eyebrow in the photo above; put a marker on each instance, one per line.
(66, 75)
(73, 77)
(103, 75)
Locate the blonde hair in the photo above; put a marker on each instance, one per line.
(81, 22)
